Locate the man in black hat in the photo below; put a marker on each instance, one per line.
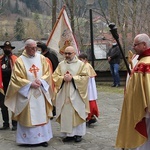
(7, 61)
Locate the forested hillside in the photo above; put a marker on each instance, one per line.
(28, 18)
(23, 7)
(20, 19)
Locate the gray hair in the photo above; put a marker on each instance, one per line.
(143, 38)
(29, 42)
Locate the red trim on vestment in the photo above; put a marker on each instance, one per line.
(142, 67)
(144, 54)
(141, 128)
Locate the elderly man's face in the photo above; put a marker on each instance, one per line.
(31, 49)
(138, 46)
(69, 53)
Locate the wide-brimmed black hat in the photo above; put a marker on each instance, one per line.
(7, 43)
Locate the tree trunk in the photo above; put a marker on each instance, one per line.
(70, 6)
(54, 12)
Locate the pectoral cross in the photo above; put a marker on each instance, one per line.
(34, 70)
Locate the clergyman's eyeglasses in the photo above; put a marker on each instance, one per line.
(68, 53)
(136, 44)
(33, 48)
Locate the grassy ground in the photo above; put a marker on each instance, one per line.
(106, 87)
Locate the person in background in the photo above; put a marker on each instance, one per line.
(28, 97)
(134, 126)
(52, 57)
(113, 57)
(72, 105)
(6, 63)
(92, 91)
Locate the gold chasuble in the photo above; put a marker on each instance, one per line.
(24, 101)
(132, 131)
(71, 97)
(91, 71)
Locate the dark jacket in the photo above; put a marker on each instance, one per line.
(114, 53)
(7, 63)
(53, 58)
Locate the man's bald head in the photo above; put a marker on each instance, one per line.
(69, 53)
(70, 49)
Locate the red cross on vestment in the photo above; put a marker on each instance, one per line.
(34, 70)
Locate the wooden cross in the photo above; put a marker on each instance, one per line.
(34, 70)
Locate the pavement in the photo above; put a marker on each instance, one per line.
(99, 136)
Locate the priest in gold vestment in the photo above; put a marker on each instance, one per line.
(29, 97)
(134, 127)
(72, 106)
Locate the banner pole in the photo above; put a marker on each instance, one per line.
(92, 43)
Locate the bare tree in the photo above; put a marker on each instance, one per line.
(70, 5)
(54, 12)
(130, 17)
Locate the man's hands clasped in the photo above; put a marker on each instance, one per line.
(36, 84)
(67, 77)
